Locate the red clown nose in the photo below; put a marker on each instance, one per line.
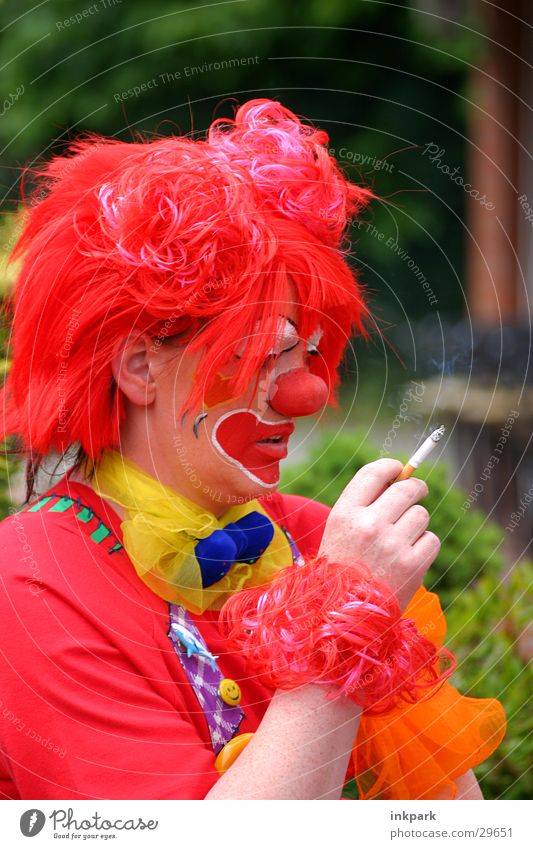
(298, 393)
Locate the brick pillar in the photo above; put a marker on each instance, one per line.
(492, 167)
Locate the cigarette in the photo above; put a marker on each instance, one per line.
(421, 454)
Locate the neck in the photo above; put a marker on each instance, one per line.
(77, 475)
(216, 508)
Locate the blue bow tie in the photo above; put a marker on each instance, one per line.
(243, 541)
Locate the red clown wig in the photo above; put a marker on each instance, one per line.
(182, 239)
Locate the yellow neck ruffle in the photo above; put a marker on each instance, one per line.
(162, 528)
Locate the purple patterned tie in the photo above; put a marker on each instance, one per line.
(203, 673)
(205, 677)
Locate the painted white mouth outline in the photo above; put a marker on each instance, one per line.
(232, 460)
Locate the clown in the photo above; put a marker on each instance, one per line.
(180, 628)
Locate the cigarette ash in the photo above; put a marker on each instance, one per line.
(437, 434)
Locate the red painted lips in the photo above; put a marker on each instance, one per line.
(240, 436)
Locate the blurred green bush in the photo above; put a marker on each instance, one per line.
(490, 631)
(6, 470)
(9, 229)
(487, 616)
(9, 464)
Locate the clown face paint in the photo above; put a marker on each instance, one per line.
(246, 439)
(253, 445)
(218, 394)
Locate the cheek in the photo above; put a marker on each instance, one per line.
(234, 437)
(230, 436)
(218, 393)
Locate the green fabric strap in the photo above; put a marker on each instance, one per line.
(85, 515)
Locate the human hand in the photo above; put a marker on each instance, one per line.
(384, 527)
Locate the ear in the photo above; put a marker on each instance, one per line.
(131, 370)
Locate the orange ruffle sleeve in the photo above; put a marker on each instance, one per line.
(417, 750)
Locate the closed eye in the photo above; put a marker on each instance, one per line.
(284, 351)
(273, 355)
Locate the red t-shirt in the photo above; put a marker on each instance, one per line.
(94, 702)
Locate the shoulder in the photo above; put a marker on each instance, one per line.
(37, 541)
(64, 555)
(28, 544)
(304, 518)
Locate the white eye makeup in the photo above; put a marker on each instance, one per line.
(287, 340)
(313, 342)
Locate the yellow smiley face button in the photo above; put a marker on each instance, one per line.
(229, 691)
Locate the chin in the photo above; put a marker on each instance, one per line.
(240, 493)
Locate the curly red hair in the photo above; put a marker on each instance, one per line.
(175, 238)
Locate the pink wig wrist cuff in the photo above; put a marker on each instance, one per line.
(327, 623)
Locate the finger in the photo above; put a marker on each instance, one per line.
(370, 481)
(426, 549)
(412, 524)
(398, 497)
